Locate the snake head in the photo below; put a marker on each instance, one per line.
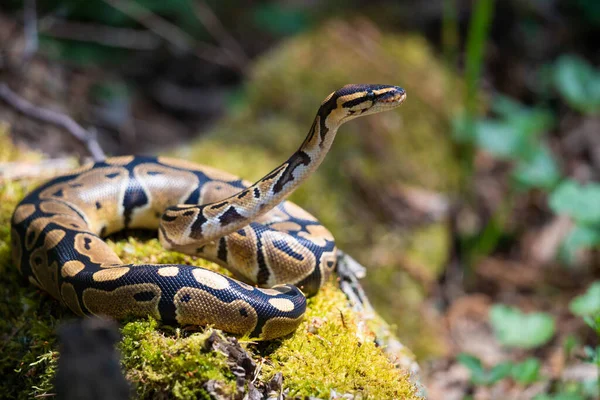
(354, 101)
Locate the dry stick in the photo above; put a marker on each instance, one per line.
(214, 26)
(55, 118)
(173, 34)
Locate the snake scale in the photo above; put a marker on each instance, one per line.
(248, 228)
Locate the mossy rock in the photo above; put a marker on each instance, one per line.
(332, 351)
(410, 146)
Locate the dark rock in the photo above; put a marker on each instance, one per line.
(89, 364)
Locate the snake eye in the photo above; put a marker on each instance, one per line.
(370, 96)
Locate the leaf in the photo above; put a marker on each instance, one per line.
(498, 138)
(499, 372)
(588, 303)
(540, 171)
(506, 107)
(592, 354)
(474, 365)
(580, 237)
(526, 372)
(578, 83)
(577, 201)
(514, 135)
(471, 362)
(479, 375)
(513, 328)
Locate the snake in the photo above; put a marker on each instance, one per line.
(277, 252)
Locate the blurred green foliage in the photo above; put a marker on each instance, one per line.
(513, 328)
(516, 329)
(578, 82)
(580, 202)
(525, 373)
(517, 135)
(479, 374)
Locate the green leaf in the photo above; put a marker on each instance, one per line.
(514, 135)
(578, 83)
(498, 138)
(593, 322)
(592, 354)
(529, 121)
(499, 372)
(506, 107)
(474, 365)
(471, 362)
(588, 303)
(513, 328)
(580, 237)
(539, 171)
(479, 375)
(577, 201)
(526, 372)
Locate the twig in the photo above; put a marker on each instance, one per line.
(30, 29)
(173, 34)
(126, 38)
(214, 26)
(53, 117)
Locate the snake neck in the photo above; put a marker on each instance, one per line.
(215, 220)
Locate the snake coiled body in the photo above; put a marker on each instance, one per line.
(264, 240)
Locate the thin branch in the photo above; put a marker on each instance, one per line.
(53, 117)
(214, 26)
(172, 34)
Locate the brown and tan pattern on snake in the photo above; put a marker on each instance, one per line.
(249, 228)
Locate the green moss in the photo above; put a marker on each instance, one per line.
(330, 351)
(169, 364)
(27, 318)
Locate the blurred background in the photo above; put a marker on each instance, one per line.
(475, 206)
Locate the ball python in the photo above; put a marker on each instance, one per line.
(278, 251)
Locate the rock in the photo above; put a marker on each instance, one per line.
(89, 365)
